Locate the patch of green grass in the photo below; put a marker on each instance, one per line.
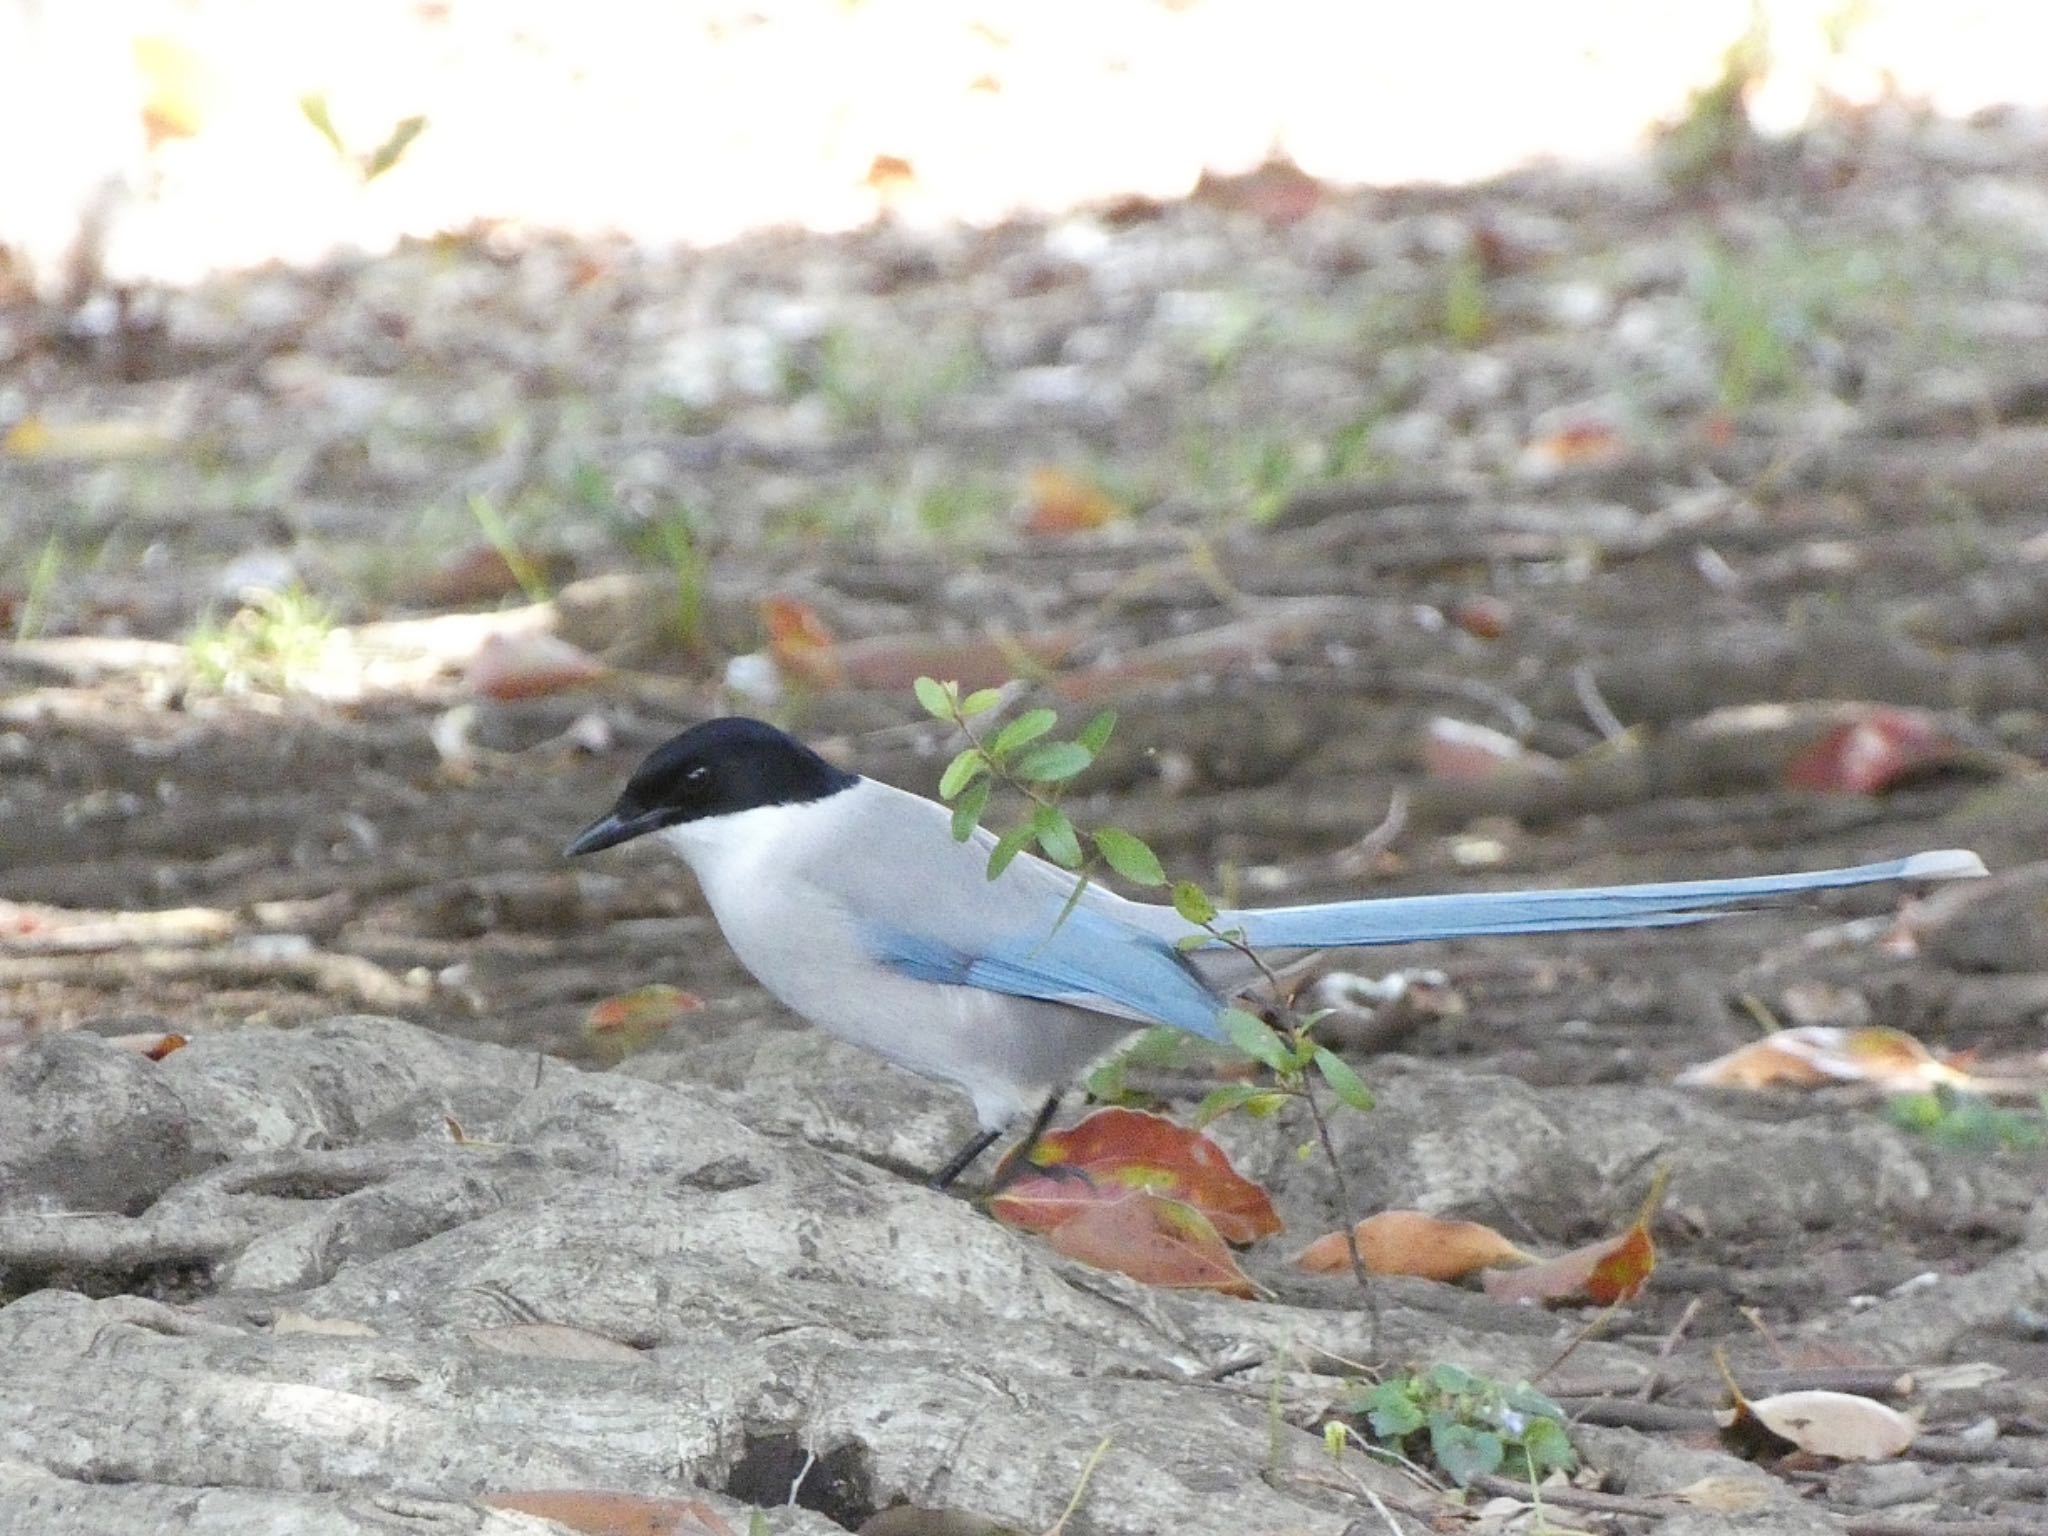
(1951, 1117)
(869, 383)
(517, 561)
(1764, 308)
(42, 581)
(271, 644)
(1468, 318)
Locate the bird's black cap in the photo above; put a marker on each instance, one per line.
(713, 769)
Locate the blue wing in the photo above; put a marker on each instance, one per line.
(1405, 919)
(1089, 961)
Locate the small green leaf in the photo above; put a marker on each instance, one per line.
(935, 696)
(1095, 734)
(1007, 847)
(980, 702)
(1454, 1380)
(392, 150)
(1548, 1447)
(1029, 726)
(1391, 1409)
(1056, 836)
(961, 772)
(1344, 1082)
(967, 811)
(1252, 1037)
(1188, 943)
(314, 107)
(1129, 856)
(1052, 762)
(1218, 1102)
(1465, 1454)
(1193, 903)
(1262, 1106)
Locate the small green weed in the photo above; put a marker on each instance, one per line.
(271, 644)
(1469, 1426)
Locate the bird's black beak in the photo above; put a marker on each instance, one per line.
(612, 829)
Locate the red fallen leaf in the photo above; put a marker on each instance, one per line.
(1870, 754)
(1615, 1269)
(1576, 445)
(525, 666)
(1061, 502)
(802, 646)
(1114, 1151)
(1154, 1239)
(602, 1512)
(1413, 1243)
(630, 1022)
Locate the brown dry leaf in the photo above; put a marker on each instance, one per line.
(1414, 1243)
(621, 1026)
(1159, 1241)
(1059, 501)
(525, 666)
(602, 1512)
(1839, 1425)
(1460, 750)
(897, 661)
(553, 1341)
(1605, 1273)
(1817, 1054)
(1576, 445)
(801, 645)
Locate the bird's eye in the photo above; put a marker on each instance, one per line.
(696, 775)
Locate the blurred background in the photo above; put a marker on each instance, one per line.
(1467, 444)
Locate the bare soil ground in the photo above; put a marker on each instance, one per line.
(1663, 486)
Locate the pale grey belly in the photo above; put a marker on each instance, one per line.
(1006, 1053)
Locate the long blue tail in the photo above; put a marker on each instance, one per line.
(1405, 919)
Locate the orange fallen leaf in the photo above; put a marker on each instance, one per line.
(1113, 1151)
(1059, 501)
(1413, 1243)
(1873, 752)
(801, 645)
(525, 666)
(1152, 1238)
(154, 1046)
(1814, 1055)
(1613, 1270)
(1575, 445)
(603, 1512)
(630, 1022)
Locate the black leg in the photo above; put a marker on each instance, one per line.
(1013, 1161)
(1018, 1158)
(959, 1162)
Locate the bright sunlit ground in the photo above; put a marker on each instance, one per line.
(696, 121)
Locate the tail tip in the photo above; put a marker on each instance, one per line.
(1943, 864)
